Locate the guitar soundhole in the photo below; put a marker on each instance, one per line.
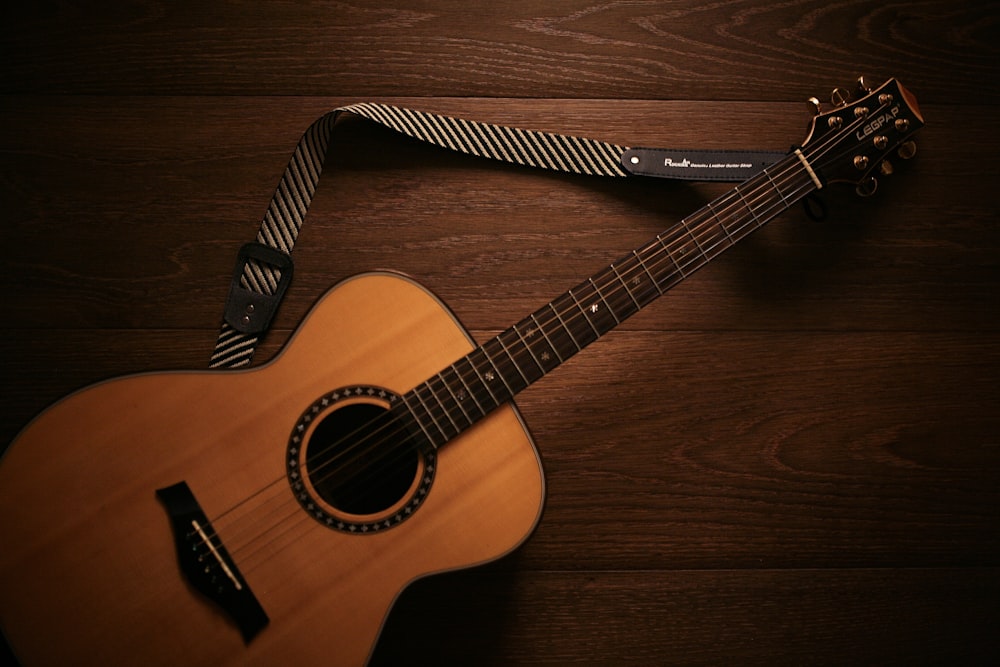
(357, 463)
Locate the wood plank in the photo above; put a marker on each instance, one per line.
(574, 48)
(696, 617)
(763, 449)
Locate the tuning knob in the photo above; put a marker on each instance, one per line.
(814, 106)
(885, 168)
(863, 87)
(907, 150)
(839, 97)
(867, 187)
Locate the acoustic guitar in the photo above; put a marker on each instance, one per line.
(271, 516)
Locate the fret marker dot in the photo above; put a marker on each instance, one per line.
(594, 308)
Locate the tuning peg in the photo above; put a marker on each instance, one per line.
(886, 168)
(907, 150)
(863, 87)
(839, 97)
(814, 106)
(867, 187)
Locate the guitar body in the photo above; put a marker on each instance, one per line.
(89, 568)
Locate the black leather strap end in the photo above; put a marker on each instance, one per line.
(697, 165)
(250, 312)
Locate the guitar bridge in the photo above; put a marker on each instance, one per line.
(205, 562)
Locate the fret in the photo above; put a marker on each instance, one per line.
(576, 302)
(650, 254)
(748, 206)
(645, 287)
(545, 334)
(776, 202)
(596, 305)
(520, 343)
(685, 250)
(684, 224)
(711, 235)
(585, 318)
(497, 364)
(422, 422)
(529, 362)
(721, 225)
(536, 343)
(619, 301)
(503, 362)
(595, 309)
(487, 375)
(628, 290)
(527, 369)
(565, 328)
(608, 308)
(770, 200)
(642, 264)
(464, 394)
(448, 406)
(436, 411)
(736, 224)
(457, 397)
(776, 188)
(671, 256)
(480, 393)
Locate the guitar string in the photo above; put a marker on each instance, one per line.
(727, 211)
(488, 355)
(520, 353)
(723, 213)
(274, 537)
(697, 232)
(294, 526)
(449, 404)
(734, 200)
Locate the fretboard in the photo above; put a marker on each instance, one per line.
(463, 393)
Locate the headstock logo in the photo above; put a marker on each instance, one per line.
(877, 122)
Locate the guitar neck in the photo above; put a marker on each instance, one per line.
(492, 374)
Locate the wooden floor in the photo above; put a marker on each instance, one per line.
(792, 459)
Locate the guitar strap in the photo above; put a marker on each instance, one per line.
(264, 267)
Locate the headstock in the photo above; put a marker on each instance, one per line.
(853, 141)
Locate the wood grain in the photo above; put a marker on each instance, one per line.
(793, 458)
(387, 201)
(574, 49)
(699, 617)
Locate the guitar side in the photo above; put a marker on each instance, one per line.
(89, 565)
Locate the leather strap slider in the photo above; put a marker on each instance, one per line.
(692, 165)
(250, 312)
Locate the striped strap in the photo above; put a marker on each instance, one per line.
(284, 217)
(280, 227)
